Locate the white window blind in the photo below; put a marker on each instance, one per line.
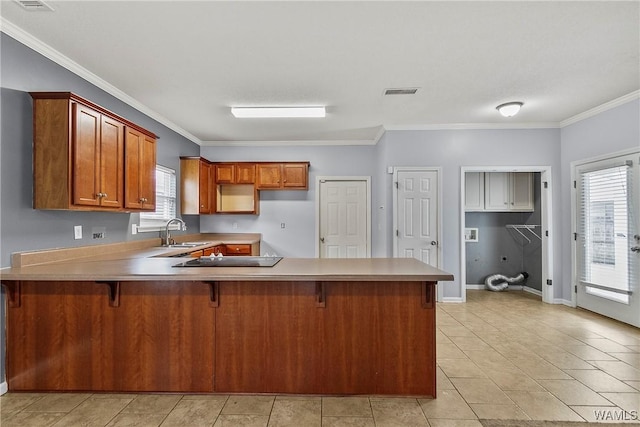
(165, 201)
(605, 232)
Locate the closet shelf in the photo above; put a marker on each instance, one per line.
(528, 227)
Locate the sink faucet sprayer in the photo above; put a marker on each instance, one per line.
(167, 238)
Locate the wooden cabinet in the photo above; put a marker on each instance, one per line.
(237, 250)
(196, 186)
(225, 173)
(139, 171)
(245, 173)
(508, 192)
(237, 199)
(79, 155)
(235, 173)
(282, 176)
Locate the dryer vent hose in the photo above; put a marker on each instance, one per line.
(500, 282)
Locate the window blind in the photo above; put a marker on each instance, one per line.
(605, 232)
(165, 199)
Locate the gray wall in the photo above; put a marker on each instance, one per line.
(21, 227)
(485, 257)
(614, 130)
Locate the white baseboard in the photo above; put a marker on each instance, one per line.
(3, 388)
(452, 299)
(568, 303)
(532, 291)
(477, 287)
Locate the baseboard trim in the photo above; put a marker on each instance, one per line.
(532, 291)
(452, 299)
(3, 388)
(568, 303)
(476, 287)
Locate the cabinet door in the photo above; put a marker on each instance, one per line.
(237, 250)
(496, 191)
(140, 174)
(522, 191)
(205, 188)
(86, 156)
(294, 176)
(111, 163)
(148, 173)
(245, 173)
(226, 174)
(474, 191)
(269, 176)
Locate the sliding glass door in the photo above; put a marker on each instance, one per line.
(608, 237)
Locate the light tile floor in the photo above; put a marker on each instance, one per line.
(500, 356)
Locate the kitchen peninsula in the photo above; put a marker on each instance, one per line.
(131, 321)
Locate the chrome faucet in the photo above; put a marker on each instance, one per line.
(167, 238)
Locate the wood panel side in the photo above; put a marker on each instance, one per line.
(51, 154)
(190, 186)
(66, 337)
(267, 338)
(378, 339)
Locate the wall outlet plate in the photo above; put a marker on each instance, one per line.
(77, 232)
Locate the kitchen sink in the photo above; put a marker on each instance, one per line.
(181, 245)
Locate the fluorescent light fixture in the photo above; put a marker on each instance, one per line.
(277, 112)
(509, 109)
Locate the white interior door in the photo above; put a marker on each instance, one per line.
(344, 219)
(608, 237)
(417, 228)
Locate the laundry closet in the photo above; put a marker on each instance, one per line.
(503, 233)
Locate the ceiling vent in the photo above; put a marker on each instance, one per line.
(34, 5)
(401, 91)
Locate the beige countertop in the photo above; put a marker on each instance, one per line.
(140, 262)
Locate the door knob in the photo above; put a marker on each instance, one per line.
(434, 243)
(635, 249)
(322, 239)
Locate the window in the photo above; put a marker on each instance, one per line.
(165, 201)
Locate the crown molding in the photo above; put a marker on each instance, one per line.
(475, 126)
(47, 51)
(601, 108)
(292, 143)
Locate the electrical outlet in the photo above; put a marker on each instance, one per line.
(77, 232)
(98, 232)
(282, 225)
(134, 228)
(235, 225)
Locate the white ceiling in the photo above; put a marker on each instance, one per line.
(190, 61)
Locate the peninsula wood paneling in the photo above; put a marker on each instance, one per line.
(66, 337)
(268, 338)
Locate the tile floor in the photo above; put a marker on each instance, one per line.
(500, 356)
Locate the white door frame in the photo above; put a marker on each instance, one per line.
(438, 171)
(574, 212)
(320, 179)
(545, 222)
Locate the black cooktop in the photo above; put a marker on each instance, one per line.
(231, 261)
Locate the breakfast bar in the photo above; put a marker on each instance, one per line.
(147, 324)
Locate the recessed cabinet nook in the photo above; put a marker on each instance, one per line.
(499, 192)
(87, 158)
(232, 187)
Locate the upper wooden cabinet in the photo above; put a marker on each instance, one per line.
(79, 155)
(196, 186)
(282, 176)
(139, 171)
(235, 173)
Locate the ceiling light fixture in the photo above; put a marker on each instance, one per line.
(509, 109)
(277, 112)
